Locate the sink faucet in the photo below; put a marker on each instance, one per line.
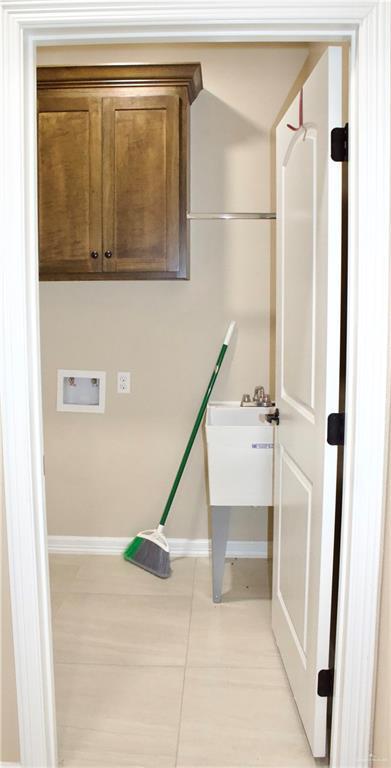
(259, 394)
(260, 398)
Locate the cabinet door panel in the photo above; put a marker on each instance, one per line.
(69, 172)
(141, 184)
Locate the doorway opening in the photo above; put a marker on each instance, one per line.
(367, 27)
(94, 501)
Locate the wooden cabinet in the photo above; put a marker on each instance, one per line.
(70, 185)
(141, 205)
(113, 147)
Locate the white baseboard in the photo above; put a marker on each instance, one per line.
(104, 545)
(10, 765)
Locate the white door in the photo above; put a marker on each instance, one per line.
(307, 386)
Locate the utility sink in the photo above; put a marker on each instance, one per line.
(240, 455)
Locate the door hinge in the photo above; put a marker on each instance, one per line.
(336, 429)
(325, 682)
(340, 143)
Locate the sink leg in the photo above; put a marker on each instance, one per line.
(220, 526)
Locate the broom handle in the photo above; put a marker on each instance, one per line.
(197, 423)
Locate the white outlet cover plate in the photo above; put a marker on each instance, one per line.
(123, 382)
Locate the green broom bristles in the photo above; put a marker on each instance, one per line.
(133, 547)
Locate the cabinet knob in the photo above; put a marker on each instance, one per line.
(94, 254)
(108, 254)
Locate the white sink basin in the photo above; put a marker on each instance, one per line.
(240, 455)
(232, 414)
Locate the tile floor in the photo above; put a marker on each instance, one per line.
(150, 673)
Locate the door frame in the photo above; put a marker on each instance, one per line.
(367, 25)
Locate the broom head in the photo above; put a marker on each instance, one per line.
(150, 550)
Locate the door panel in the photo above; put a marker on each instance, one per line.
(298, 198)
(141, 184)
(69, 173)
(293, 547)
(307, 387)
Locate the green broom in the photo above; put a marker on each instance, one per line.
(149, 549)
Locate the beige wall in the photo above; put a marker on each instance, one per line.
(109, 475)
(9, 737)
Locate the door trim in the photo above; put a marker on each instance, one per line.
(367, 26)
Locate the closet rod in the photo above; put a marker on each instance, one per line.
(231, 216)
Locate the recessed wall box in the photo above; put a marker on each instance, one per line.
(81, 391)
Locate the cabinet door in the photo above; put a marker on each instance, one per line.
(69, 172)
(141, 184)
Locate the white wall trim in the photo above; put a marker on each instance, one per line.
(368, 359)
(107, 545)
(367, 26)
(9, 765)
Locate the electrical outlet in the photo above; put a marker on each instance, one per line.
(123, 382)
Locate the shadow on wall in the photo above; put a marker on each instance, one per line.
(213, 160)
(236, 270)
(238, 250)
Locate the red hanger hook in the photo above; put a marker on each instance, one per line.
(292, 127)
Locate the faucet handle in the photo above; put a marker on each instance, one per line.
(246, 400)
(259, 394)
(261, 398)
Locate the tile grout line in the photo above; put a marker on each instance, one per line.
(69, 593)
(58, 662)
(163, 666)
(121, 594)
(185, 664)
(195, 588)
